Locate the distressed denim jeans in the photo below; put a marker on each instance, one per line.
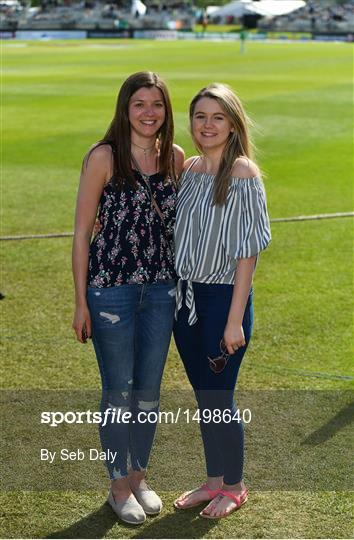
(131, 332)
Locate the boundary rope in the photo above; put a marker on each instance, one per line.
(274, 220)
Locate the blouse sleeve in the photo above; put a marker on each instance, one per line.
(248, 229)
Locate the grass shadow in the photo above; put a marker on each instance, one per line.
(184, 524)
(342, 419)
(178, 524)
(94, 525)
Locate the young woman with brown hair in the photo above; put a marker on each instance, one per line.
(125, 277)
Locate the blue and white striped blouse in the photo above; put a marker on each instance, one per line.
(209, 239)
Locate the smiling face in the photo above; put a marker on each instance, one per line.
(211, 126)
(146, 112)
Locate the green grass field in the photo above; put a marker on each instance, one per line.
(58, 98)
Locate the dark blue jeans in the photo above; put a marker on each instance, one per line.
(223, 441)
(132, 327)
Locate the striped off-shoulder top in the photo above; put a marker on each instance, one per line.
(210, 239)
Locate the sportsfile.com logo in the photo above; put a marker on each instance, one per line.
(125, 416)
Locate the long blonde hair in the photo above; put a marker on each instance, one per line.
(239, 142)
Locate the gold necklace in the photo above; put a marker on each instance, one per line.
(144, 149)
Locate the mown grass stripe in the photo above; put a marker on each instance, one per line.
(302, 373)
(297, 372)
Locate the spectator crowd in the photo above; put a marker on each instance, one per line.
(316, 16)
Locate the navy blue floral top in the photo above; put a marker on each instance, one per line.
(133, 245)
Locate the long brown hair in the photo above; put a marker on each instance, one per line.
(239, 142)
(118, 133)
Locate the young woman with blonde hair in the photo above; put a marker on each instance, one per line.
(221, 226)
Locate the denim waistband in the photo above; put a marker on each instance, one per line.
(167, 282)
(189, 295)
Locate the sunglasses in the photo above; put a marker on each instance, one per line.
(218, 364)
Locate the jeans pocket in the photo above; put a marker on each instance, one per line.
(111, 307)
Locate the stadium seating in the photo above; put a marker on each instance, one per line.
(316, 16)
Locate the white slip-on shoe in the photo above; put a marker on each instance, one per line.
(128, 510)
(149, 500)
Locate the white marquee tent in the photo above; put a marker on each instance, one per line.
(271, 8)
(137, 7)
(238, 8)
(266, 8)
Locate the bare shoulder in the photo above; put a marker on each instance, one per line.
(97, 165)
(98, 162)
(245, 168)
(99, 154)
(189, 162)
(179, 158)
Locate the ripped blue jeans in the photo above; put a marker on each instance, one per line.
(131, 332)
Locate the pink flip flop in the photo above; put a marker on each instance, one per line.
(238, 499)
(211, 492)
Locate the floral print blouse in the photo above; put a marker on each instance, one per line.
(133, 245)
